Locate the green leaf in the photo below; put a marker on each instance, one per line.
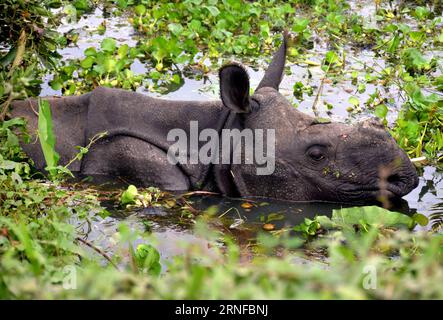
(108, 45)
(195, 25)
(90, 52)
(416, 35)
(420, 219)
(393, 44)
(331, 57)
(9, 57)
(213, 10)
(321, 120)
(381, 111)
(56, 84)
(81, 5)
(87, 62)
(414, 61)
(300, 25)
(109, 64)
(7, 164)
(325, 222)
(147, 259)
(129, 195)
(175, 28)
(123, 51)
(421, 13)
(122, 4)
(140, 9)
(354, 101)
(372, 216)
(46, 135)
(308, 227)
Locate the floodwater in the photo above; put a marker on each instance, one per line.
(427, 198)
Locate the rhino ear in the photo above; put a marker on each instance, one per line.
(234, 88)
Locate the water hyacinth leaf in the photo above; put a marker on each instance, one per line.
(56, 84)
(331, 57)
(300, 25)
(381, 111)
(81, 5)
(308, 227)
(372, 216)
(148, 259)
(123, 51)
(415, 62)
(90, 52)
(325, 222)
(213, 10)
(109, 64)
(393, 44)
(129, 195)
(354, 101)
(421, 219)
(46, 135)
(87, 62)
(404, 28)
(140, 9)
(195, 25)
(122, 3)
(7, 164)
(416, 35)
(175, 28)
(421, 12)
(108, 45)
(9, 57)
(71, 12)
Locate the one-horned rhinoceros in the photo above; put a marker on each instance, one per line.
(310, 159)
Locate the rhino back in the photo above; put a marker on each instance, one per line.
(123, 113)
(69, 122)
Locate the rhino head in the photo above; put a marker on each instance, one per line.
(314, 160)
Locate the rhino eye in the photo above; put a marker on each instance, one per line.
(316, 153)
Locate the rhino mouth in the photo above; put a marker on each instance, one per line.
(374, 193)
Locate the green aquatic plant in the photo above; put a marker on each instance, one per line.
(109, 66)
(147, 259)
(28, 47)
(47, 137)
(419, 124)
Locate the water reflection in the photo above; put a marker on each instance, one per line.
(280, 213)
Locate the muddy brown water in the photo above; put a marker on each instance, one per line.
(427, 198)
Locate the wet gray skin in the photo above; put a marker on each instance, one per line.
(325, 161)
(313, 160)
